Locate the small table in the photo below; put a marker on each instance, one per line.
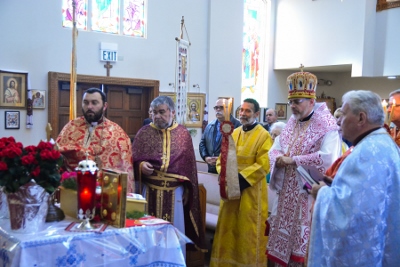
(155, 245)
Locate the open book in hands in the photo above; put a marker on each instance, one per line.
(310, 174)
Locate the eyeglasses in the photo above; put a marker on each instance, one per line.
(296, 101)
(219, 107)
(391, 105)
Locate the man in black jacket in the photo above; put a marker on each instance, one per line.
(210, 144)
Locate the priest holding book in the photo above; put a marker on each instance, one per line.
(310, 138)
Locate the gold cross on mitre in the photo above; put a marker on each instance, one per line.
(301, 67)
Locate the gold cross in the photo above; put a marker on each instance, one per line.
(301, 67)
(108, 66)
(166, 217)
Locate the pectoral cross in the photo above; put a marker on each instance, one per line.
(108, 66)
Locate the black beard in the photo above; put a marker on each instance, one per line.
(93, 117)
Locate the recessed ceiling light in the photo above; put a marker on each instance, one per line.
(392, 77)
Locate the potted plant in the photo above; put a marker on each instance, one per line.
(28, 175)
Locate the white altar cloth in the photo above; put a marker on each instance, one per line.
(155, 245)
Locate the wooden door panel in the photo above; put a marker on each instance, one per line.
(128, 99)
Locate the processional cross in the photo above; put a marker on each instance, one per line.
(108, 66)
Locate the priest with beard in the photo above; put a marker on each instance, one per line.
(165, 171)
(105, 141)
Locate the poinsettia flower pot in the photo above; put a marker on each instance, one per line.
(28, 208)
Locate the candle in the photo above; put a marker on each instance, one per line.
(391, 111)
(384, 106)
(225, 111)
(86, 190)
(229, 107)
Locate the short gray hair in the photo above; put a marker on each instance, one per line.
(395, 92)
(162, 99)
(279, 124)
(368, 102)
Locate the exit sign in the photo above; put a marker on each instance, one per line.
(108, 55)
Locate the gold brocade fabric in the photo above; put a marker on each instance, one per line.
(106, 143)
(239, 239)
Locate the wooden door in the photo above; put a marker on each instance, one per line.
(129, 99)
(128, 107)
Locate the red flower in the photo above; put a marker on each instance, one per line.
(45, 146)
(50, 155)
(3, 166)
(30, 149)
(28, 160)
(12, 152)
(35, 172)
(18, 165)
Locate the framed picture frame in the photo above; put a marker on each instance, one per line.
(38, 99)
(195, 110)
(265, 115)
(170, 94)
(11, 120)
(281, 110)
(386, 4)
(13, 91)
(237, 112)
(330, 103)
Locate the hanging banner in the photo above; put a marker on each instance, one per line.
(182, 80)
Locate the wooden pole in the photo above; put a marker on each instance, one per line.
(72, 87)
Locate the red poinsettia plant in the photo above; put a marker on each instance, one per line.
(19, 165)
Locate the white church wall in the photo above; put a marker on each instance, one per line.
(325, 33)
(36, 42)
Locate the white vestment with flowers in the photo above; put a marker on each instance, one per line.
(315, 142)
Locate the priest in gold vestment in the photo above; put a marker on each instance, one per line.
(239, 238)
(105, 141)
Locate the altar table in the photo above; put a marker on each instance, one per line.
(154, 245)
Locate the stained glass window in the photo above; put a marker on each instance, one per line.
(80, 11)
(106, 16)
(253, 54)
(134, 18)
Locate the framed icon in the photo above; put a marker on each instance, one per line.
(13, 89)
(281, 110)
(38, 98)
(11, 120)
